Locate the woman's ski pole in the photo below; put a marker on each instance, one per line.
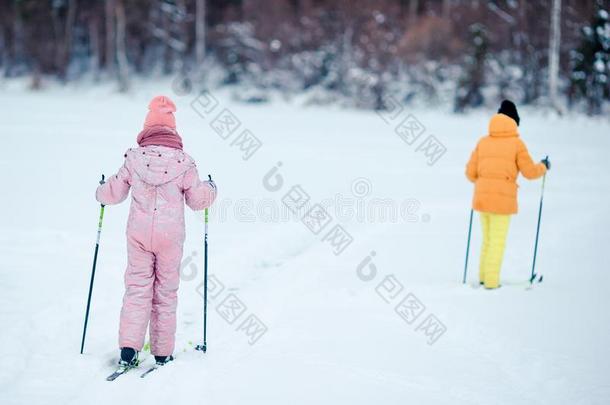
(534, 275)
(467, 248)
(204, 347)
(97, 247)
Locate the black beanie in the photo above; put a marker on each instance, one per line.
(509, 108)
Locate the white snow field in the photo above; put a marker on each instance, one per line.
(330, 337)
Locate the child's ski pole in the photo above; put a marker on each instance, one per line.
(204, 347)
(534, 275)
(467, 248)
(97, 247)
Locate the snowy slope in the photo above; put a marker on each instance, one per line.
(331, 338)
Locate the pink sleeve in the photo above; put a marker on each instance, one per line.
(198, 194)
(116, 188)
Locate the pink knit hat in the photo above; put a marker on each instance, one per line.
(161, 113)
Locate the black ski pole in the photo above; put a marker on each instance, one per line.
(97, 247)
(534, 275)
(467, 248)
(204, 347)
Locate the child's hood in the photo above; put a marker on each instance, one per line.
(157, 165)
(502, 125)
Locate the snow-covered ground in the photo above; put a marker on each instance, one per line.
(330, 336)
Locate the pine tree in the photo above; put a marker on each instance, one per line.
(591, 63)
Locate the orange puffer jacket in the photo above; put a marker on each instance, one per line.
(495, 164)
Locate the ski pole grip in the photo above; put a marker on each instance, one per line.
(210, 177)
(102, 182)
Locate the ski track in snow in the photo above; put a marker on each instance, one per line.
(331, 339)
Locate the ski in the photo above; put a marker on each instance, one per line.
(150, 370)
(119, 372)
(156, 366)
(528, 284)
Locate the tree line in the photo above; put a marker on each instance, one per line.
(357, 52)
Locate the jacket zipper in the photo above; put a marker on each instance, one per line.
(154, 218)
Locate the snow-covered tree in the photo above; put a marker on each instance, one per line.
(554, 43)
(590, 78)
(200, 26)
(468, 93)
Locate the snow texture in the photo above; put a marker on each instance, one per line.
(330, 336)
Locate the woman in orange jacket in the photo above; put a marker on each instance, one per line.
(493, 167)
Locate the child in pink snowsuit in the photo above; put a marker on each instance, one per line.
(161, 178)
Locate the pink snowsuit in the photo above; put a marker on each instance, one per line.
(161, 179)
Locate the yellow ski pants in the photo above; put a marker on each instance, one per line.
(495, 229)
